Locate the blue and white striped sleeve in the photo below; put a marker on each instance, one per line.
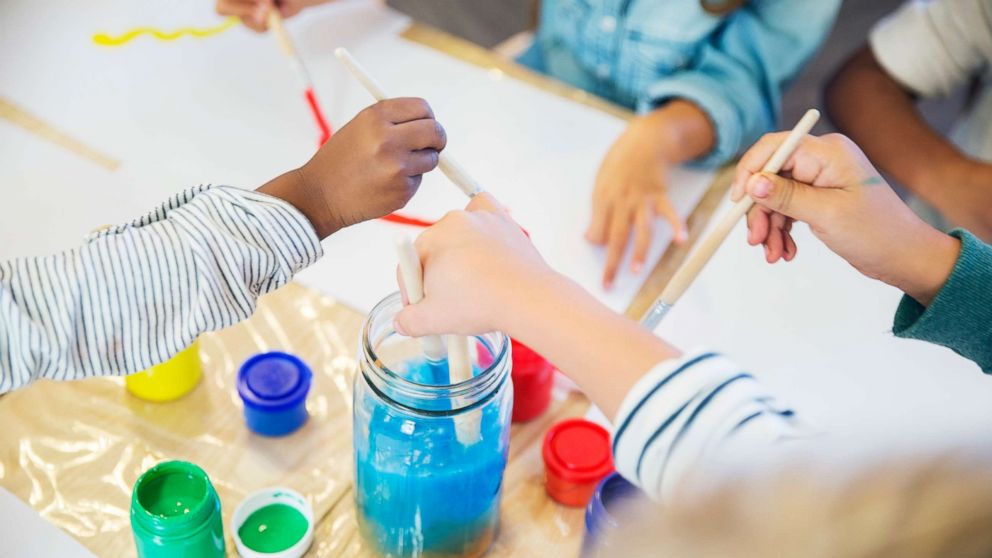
(684, 413)
(134, 295)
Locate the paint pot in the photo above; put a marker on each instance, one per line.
(274, 388)
(175, 511)
(577, 456)
(611, 494)
(533, 377)
(273, 523)
(170, 380)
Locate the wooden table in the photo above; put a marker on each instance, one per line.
(73, 450)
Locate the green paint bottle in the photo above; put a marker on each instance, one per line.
(175, 511)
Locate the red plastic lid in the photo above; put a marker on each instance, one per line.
(578, 451)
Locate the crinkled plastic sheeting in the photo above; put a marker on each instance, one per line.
(73, 450)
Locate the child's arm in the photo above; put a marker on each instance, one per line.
(923, 50)
(134, 295)
(727, 94)
(673, 412)
(856, 214)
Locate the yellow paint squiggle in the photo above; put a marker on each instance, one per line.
(103, 39)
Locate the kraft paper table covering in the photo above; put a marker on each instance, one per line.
(73, 450)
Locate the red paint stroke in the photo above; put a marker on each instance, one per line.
(325, 130)
(415, 222)
(404, 220)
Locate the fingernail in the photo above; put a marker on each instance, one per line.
(683, 235)
(761, 187)
(636, 267)
(398, 327)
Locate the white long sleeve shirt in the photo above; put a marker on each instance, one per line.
(693, 414)
(136, 294)
(935, 47)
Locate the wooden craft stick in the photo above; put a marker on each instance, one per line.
(468, 427)
(689, 269)
(459, 358)
(412, 274)
(454, 171)
(20, 117)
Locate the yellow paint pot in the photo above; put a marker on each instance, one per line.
(170, 380)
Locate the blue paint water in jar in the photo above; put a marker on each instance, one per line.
(421, 489)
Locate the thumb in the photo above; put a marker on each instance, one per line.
(789, 197)
(416, 320)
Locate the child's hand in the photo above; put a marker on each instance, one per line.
(369, 168)
(482, 274)
(630, 192)
(829, 184)
(478, 265)
(254, 13)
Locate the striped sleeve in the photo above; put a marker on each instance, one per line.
(134, 295)
(680, 417)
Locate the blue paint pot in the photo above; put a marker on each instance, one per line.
(612, 492)
(274, 389)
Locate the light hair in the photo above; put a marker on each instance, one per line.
(932, 509)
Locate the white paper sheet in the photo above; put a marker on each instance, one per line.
(228, 110)
(25, 534)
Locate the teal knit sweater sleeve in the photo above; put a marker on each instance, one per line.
(960, 317)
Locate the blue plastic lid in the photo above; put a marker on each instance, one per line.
(274, 381)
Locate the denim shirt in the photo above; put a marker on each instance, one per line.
(641, 53)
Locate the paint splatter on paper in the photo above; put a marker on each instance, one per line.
(106, 40)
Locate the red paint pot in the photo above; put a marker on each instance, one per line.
(577, 455)
(533, 378)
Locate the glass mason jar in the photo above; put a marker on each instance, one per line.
(429, 455)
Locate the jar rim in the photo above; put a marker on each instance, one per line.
(476, 388)
(199, 514)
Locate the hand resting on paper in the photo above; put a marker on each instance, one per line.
(369, 168)
(254, 13)
(481, 274)
(830, 184)
(632, 182)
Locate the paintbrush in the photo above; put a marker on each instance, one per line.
(689, 269)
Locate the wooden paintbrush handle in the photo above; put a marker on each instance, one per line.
(454, 171)
(412, 275)
(688, 271)
(275, 24)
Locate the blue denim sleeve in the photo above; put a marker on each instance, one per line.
(738, 76)
(533, 58)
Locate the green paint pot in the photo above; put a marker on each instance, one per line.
(273, 523)
(175, 511)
